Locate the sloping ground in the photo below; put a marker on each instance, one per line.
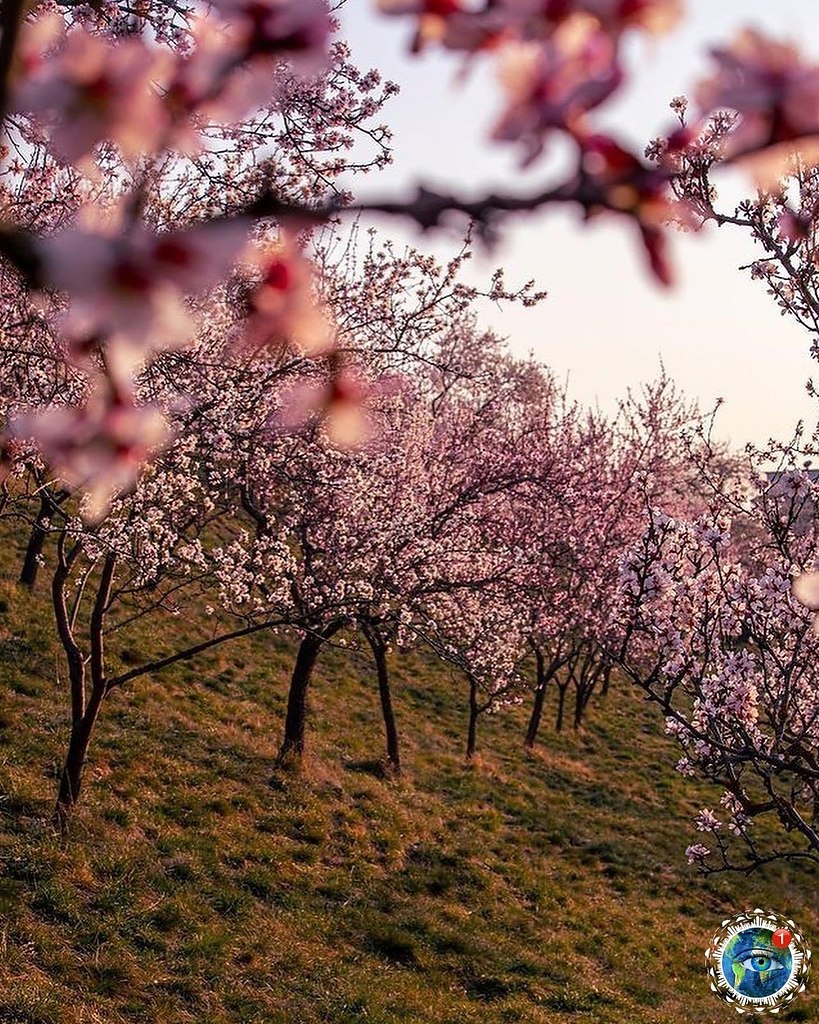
(199, 885)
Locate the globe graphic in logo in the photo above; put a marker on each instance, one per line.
(758, 961)
(753, 965)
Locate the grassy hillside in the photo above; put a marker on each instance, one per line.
(198, 884)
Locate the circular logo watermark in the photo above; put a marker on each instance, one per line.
(758, 961)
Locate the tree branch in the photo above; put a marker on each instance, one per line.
(189, 652)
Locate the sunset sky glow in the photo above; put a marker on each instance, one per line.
(605, 325)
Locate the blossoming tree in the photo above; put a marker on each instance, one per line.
(180, 101)
(721, 639)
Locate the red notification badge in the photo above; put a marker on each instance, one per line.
(782, 938)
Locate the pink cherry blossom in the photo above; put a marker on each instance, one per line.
(707, 821)
(696, 853)
(130, 291)
(616, 180)
(805, 590)
(725, 643)
(295, 29)
(94, 89)
(555, 84)
(283, 307)
(775, 91)
(98, 448)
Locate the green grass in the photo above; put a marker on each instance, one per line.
(200, 885)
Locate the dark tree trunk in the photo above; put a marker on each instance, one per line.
(474, 711)
(579, 707)
(604, 689)
(537, 707)
(49, 504)
(36, 541)
(578, 671)
(292, 747)
(584, 695)
(561, 705)
(390, 727)
(72, 773)
(586, 683)
(83, 716)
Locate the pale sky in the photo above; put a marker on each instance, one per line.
(605, 324)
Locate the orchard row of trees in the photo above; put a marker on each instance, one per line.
(211, 406)
(525, 541)
(481, 513)
(154, 152)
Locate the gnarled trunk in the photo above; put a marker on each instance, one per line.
(36, 541)
(292, 748)
(379, 650)
(586, 683)
(561, 704)
(474, 711)
(76, 756)
(580, 701)
(84, 713)
(540, 696)
(49, 504)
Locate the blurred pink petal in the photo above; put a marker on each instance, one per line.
(296, 29)
(805, 589)
(776, 93)
(283, 308)
(553, 84)
(94, 89)
(453, 23)
(345, 419)
(98, 448)
(129, 290)
(614, 16)
(338, 402)
(617, 181)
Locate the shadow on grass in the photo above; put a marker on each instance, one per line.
(376, 768)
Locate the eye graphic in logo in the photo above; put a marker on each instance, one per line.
(758, 962)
